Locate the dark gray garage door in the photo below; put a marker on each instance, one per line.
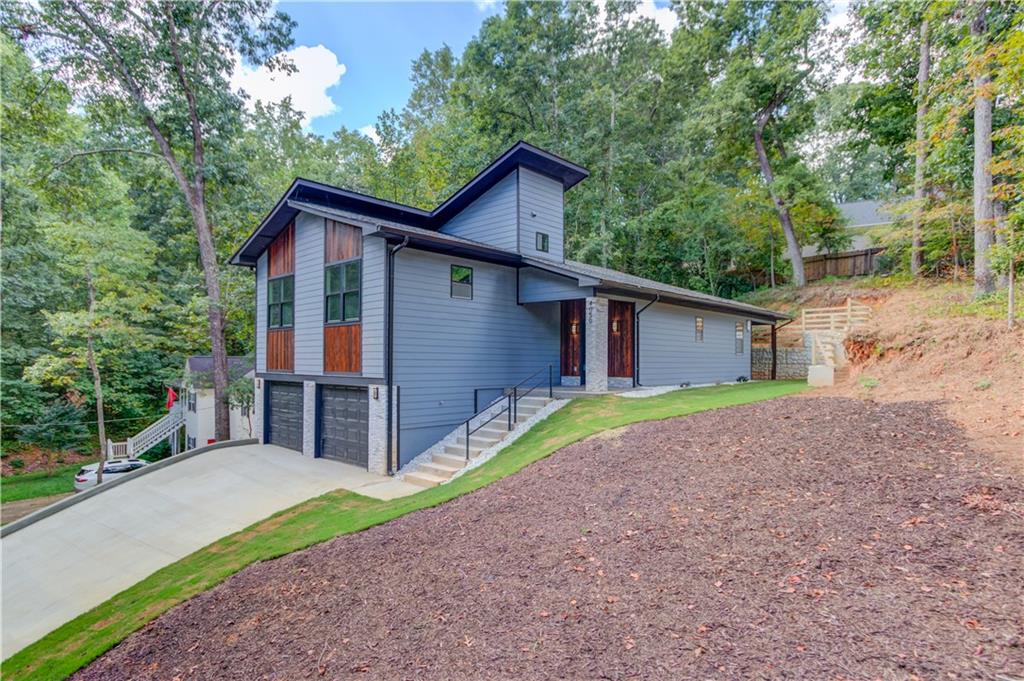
(285, 408)
(344, 415)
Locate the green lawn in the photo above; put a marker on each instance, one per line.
(39, 483)
(75, 644)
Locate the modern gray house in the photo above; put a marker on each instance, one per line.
(381, 327)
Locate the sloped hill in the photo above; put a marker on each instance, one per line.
(928, 341)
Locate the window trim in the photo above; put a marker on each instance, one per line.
(452, 282)
(270, 282)
(741, 341)
(698, 329)
(342, 291)
(542, 242)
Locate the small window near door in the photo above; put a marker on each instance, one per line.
(462, 282)
(542, 242)
(739, 338)
(698, 329)
(280, 302)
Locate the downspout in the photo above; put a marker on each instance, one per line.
(636, 339)
(389, 354)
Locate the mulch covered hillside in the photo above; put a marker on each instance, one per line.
(823, 538)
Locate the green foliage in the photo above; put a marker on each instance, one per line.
(60, 480)
(59, 427)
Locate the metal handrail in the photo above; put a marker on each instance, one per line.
(512, 398)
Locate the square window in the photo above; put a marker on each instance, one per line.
(542, 242)
(342, 283)
(280, 300)
(352, 276)
(462, 282)
(286, 314)
(332, 280)
(351, 306)
(334, 307)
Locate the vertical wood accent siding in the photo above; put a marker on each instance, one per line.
(281, 342)
(282, 252)
(280, 350)
(343, 347)
(343, 242)
(572, 344)
(620, 345)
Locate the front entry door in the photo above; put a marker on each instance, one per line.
(572, 338)
(620, 339)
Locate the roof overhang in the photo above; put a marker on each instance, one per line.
(437, 243)
(758, 315)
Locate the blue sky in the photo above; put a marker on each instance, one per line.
(354, 58)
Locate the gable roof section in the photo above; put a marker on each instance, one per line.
(328, 196)
(865, 214)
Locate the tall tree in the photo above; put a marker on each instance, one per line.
(920, 147)
(984, 282)
(163, 67)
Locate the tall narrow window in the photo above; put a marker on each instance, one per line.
(281, 302)
(698, 329)
(342, 284)
(739, 338)
(462, 282)
(542, 242)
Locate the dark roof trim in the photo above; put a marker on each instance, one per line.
(308, 191)
(435, 242)
(670, 299)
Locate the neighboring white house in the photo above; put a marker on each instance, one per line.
(197, 399)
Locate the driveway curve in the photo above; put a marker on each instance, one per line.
(796, 538)
(73, 560)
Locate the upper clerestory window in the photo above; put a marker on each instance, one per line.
(462, 282)
(542, 242)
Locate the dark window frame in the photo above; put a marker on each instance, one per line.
(343, 292)
(740, 337)
(698, 329)
(452, 282)
(280, 304)
(542, 242)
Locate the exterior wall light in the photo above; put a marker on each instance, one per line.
(574, 328)
(615, 326)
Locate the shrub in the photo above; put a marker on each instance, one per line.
(869, 382)
(17, 463)
(983, 384)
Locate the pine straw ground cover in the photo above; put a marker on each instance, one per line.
(826, 538)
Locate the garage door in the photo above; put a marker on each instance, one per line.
(344, 415)
(285, 408)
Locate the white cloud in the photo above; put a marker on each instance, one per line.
(371, 132)
(317, 69)
(664, 17)
(485, 5)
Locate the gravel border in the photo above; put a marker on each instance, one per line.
(653, 391)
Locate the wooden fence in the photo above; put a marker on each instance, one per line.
(848, 264)
(840, 318)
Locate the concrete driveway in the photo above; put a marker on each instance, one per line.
(70, 562)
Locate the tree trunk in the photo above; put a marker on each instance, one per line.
(97, 384)
(984, 282)
(924, 64)
(792, 246)
(999, 218)
(215, 318)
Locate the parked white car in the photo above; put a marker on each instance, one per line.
(86, 477)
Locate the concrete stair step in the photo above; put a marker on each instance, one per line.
(450, 460)
(424, 479)
(439, 469)
(460, 450)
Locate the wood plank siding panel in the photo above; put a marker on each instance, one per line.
(572, 343)
(343, 241)
(620, 342)
(540, 210)
(309, 294)
(343, 348)
(491, 219)
(670, 355)
(282, 252)
(280, 350)
(281, 261)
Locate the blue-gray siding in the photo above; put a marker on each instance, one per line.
(261, 313)
(374, 287)
(538, 285)
(540, 210)
(670, 355)
(445, 347)
(309, 294)
(491, 219)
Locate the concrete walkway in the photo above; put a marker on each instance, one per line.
(70, 562)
